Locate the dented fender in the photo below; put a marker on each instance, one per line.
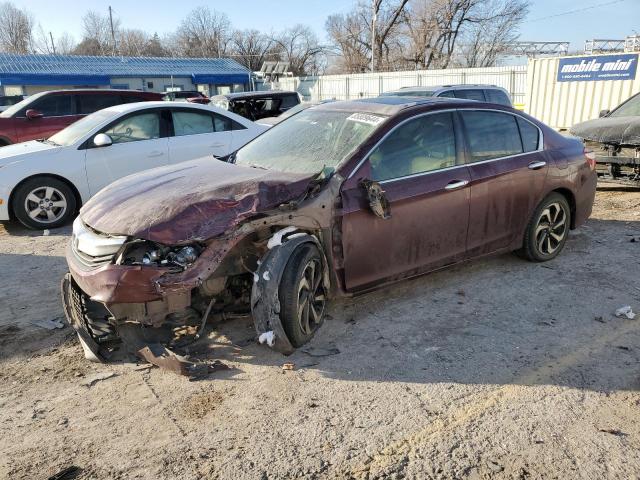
(265, 303)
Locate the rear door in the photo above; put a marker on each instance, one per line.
(139, 142)
(508, 173)
(199, 133)
(58, 111)
(426, 183)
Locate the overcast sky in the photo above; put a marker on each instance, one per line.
(608, 19)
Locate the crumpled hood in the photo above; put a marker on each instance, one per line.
(189, 201)
(615, 130)
(19, 152)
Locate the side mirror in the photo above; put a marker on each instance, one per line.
(102, 140)
(32, 114)
(604, 113)
(378, 202)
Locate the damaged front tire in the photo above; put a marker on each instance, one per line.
(302, 294)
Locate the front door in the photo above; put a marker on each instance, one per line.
(507, 177)
(139, 143)
(57, 112)
(421, 172)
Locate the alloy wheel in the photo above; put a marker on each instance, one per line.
(45, 204)
(552, 228)
(311, 297)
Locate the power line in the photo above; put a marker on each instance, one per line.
(577, 10)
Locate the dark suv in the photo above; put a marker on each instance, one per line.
(43, 114)
(257, 105)
(480, 93)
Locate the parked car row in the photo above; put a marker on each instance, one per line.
(336, 200)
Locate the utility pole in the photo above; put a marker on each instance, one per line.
(113, 34)
(53, 45)
(374, 17)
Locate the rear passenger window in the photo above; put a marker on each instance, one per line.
(491, 134)
(497, 96)
(447, 93)
(89, 103)
(191, 123)
(471, 94)
(222, 123)
(530, 135)
(421, 145)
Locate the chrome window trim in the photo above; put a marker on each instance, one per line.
(515, 114)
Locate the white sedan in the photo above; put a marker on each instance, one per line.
(43, 183)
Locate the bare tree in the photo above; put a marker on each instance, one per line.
(16, 29)
(351, 46)
(300, 47)
(132, 42)
(251, 48)
(203, 33)
(96, 35)
(155, 47)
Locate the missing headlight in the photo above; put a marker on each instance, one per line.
(142, 252)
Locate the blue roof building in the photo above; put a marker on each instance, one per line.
(32, 73)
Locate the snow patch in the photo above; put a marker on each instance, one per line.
(267, 337)
(276, 239)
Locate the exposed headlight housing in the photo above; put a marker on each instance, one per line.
(143, 252)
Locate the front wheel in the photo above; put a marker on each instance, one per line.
(548, 229)
(44, 202)
(302, 294)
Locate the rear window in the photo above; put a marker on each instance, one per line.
(497, 96)
(491, 134)
(471, 94)
(289, 101)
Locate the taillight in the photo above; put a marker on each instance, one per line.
(590, 156)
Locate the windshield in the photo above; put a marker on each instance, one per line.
(410, 93)
(631, 108)
(11, 111)
(79, 129)
(309, 141)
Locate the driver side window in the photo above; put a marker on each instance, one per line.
(421, 145)
(143, 126)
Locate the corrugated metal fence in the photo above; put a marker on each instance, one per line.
(350, 87)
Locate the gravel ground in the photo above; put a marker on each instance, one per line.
(497, 368)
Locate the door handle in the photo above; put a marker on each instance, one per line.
(536, 165)
(455, 184)
(157, 153)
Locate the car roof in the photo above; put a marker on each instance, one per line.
(459, 86)
(263, 93)
(132, 107)
(390, 105)
(97, 90)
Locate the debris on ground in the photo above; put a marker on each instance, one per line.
(98, 377)
(613, 431)
(494, 466)
(288, 366)
(51, 324)
(67, 473)
(164, 358)
(622, 347)
(600, 319)
(625, 311)
(267, 337)
(320, 351)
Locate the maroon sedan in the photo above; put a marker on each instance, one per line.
(337, 200)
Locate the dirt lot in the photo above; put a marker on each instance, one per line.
(497, 368)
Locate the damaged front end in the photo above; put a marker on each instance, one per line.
(153, 300)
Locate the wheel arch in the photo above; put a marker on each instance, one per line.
(70, 184)
(4, 141)
(571, 199)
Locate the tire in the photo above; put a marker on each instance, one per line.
(302, 309)
(44, 202)
(547, 230)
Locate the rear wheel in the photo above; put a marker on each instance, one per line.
(302, 294)
(44, 202)
(548, 229)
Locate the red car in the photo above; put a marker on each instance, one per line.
(337, 200)
(43, 114)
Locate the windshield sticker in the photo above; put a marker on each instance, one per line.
(366, 118)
